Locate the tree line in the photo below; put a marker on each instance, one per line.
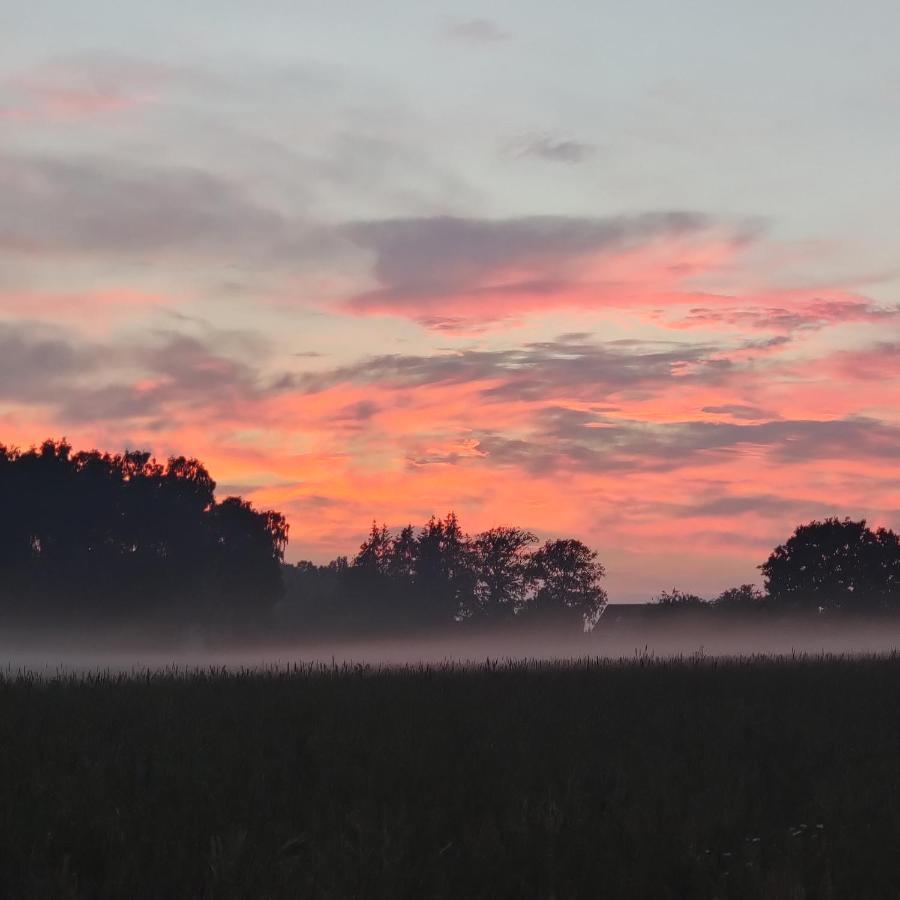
(830, 565)
(123, 537)
(440, 576)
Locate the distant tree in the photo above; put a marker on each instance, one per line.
(676, 599)
(371, 597)
(835, 564)
(500, 571)
(565, 575)
(375, 553)
(746, 598)
(438, 576)
(403, 556)
(339, 565)
(248, 549)
(444, 577)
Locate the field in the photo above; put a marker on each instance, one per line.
(694, 778)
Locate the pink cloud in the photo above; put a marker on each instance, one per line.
(58, 94)
(878, 363)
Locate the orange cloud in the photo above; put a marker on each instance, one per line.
(84, 307)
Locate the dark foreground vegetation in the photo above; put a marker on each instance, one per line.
(759, 778)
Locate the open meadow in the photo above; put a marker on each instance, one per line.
(697, 777)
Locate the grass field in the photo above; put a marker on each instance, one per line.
(592, 779)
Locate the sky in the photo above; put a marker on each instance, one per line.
(626, 272)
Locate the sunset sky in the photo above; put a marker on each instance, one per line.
(627, 272)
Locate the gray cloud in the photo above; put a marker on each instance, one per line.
(313, 502)
(358, 412)
(124, 211)
(575, 439)
(164, 375)
(730, 505)
(108, 208)
(806, 316)
(475, 31)
(740, 411)
(566, 440)
(36, 361)
(194, 365)
(552, 149)
(537, 370)
(450, 457)
(427, 259)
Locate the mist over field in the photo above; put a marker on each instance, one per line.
(128, 650)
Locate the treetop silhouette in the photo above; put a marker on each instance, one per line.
(835, 564)
(95, 534)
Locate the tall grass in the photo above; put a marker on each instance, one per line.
(754, 777)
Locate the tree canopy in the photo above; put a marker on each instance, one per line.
(124, 536)
(835, 564)
(439, 575)
(828, 565)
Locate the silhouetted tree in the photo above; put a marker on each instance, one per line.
(123, 536)
(444, 576)
(501, 568)
(375, 553)
(369, 597)
(676, 599)
(746, 598)
(441, 576)
(835, 564)
(248, 549)
(565, 575)
(404, 553)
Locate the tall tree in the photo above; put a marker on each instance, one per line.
(835, 564)
(745, 598)
(375, 552)
(500, 567)
(403, 556)
(676, 599)
(247, 551)
(566, 576)
(444, 576)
